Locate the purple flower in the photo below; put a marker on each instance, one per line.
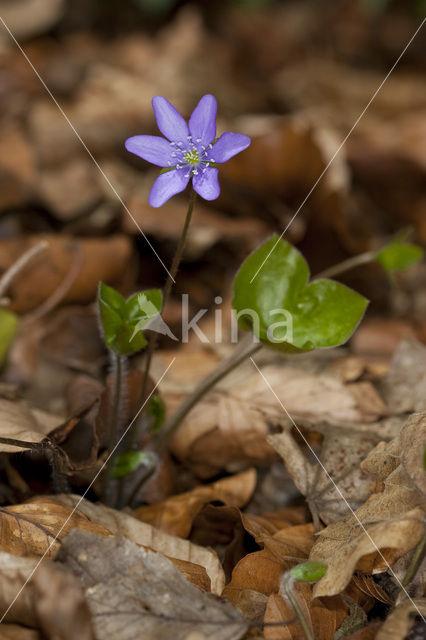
(189, 151)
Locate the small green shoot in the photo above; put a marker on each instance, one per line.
(123, 320)
(127, 462)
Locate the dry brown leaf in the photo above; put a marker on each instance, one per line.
(251, 604)
(38, 605)
(291, 542)
(367, 633)
(120, 523)
(392, 519)
(20, 421)
(342, 451)
(30, 18)
(16, 632)
(412, 442)
(231, 425)
(369, 586)
(323, 617)
(259, 571)
(58, 192)
(153, 599)
(404, 387)
(273, 521)
(176, 514)
(399, 622)
(105, 259)
(345, 547)
(30, 529)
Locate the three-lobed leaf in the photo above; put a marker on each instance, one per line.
(123, 320)
(273, 299)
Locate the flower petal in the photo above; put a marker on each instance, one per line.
(202, 123)
(206, 183)
(169, 120)
(167, 185)
(228, 145)
(152, 149)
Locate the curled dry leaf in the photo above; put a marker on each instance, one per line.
(153, 598)
(20, 421)
(176, 514)
(103, 259)
(391, 520)
(399, 622)
(38, 605)
(36, 527)
(347, 547)
(184, 553)
(261, 571)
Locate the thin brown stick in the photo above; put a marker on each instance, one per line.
(20, 264)
(61, 291)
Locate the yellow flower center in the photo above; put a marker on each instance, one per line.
(192, 157)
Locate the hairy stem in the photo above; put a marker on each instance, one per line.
(166, 294)
(114, 427)
(347, 265)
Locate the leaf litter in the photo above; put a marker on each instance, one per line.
(203, 557)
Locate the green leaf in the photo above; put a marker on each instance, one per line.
(123, 320)
(398, 256)
(8, 328)
(112, 299)
(283, 274)
(127, 462)
(157, 410)
(144, 306)
(273, 299)
(309, 571)
(327, 314)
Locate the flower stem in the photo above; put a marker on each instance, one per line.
(347, 265)
(222, 370)
(114, 427)
(167, 289)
